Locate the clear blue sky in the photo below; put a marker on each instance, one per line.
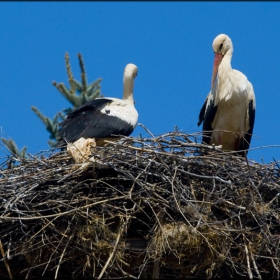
(170, 42)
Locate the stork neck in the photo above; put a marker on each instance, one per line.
(128, 85)
(225, 65)
(223, 89)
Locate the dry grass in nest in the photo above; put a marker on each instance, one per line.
(159, 207)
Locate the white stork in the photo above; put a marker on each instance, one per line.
(228, 113)
(102, 118)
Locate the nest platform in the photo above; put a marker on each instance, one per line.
(158, 207)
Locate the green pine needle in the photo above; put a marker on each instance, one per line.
(13, 148)
(78, 94)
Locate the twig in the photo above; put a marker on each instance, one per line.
(140, 124)
(5, 260)
(60, 214)
(254, 262)
(112, 253)
(61, 257)
(248, 263)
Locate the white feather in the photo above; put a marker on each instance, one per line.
(121, 109)
(232, 93)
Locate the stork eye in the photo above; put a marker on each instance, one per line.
(221, 45)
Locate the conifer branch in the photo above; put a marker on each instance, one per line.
(13, 148)
(52, 126)
(78, 94)
(83, 76)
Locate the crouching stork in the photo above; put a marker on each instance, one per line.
(100, 119)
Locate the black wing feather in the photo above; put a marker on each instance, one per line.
(89, 106)
(207, 115)
(245, 143)
(87, 121)
(202, 113)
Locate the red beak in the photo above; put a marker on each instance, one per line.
(217, 60)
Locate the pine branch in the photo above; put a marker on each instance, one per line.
(52, 143)
(93, 90)
(83, 75)
(72, 98)
(52, 126)
(78, 94)
(75, 85)
(69, 73)
(40, 115)
(13, 148)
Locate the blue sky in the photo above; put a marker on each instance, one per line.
(170, 42)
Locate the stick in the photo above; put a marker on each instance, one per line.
(5, 261)
(112, 254)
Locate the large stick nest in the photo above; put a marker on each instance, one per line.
(163, 207)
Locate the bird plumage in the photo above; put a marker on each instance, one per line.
(228, 113)
(103, 118)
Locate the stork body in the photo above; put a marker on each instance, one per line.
(103, 118)
(228, 113)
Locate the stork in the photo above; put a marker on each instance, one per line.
(102, 118)
(228, 113)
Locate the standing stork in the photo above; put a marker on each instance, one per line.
(101, 119)
(228, 113)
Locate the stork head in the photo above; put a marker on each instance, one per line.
(130, 71)
(221, 45)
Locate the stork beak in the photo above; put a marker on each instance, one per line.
(217, 60)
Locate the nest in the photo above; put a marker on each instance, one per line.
(159, 207)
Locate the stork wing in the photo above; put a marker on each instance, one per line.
(207, 115)
(245, 142)
(90, 105)
(202, 113)
(87, 121)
